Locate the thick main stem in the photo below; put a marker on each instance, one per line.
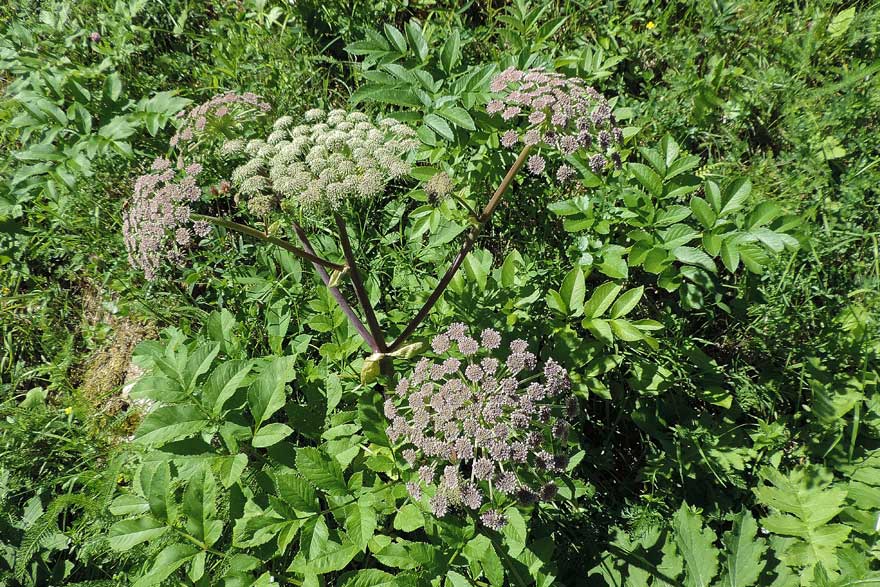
(358, 284)
(334, 291)
(253, 232)
(465, 249)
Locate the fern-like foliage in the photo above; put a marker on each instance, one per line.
(44, 527)
(802, 504)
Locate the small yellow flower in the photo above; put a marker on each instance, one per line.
(650, 26)
(120, 479)
(68, 410)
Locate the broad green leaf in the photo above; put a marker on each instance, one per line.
(271, 434)
(713, 195)
(169, 423)
(371, 578)
(515, 532)
(396, 37)
(198, 363)
(735, 195)
(745, 552)
(694, 256)
(200, 507)
(417, 39)
(841, 22)
(222, 383)
(457, 116)
(166, 562)
(602, 298)
(703, 212)
(649, 179)
(624, 330)
(696, 546)
(158, 388)
(266, 394)
(730, 254)
(360, 523)
(573, 291)
(450, 55)
(231, 469)
(297, 492)
(409, 518)
(321, 470)
(440, 126)
(127, 533)
(601, 329)
(454, 579)
(155, 481)
(626, 302)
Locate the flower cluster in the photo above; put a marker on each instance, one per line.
(317, 166)
(478, 430)
(220, 106)
(562, 113)
(156, 224)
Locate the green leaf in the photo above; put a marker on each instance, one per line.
(457, 116)
(266, 394)
(703, 212)
(624, 330)
(409, 518)
(713, 195)
(396, 37)
(222, 383)
(841, 22)
(602, 298)
(231, 469)
(626, 302)
(515, 532)
(440, 126)
(200, 507)
(736, 195)
(573, 291)
(601, 329)
(696, 546)
(730, 254)
(169, 423)
(745, 552)
(128, 533)
(450, 55)
(648, 178)
(297, 492)
(169, 560)
(694, 256)
(113, 86)
(385, 94)
(271, 434)
(454, 579)
(417, 39)
(360, 523)
(321, 470)
(371, 578)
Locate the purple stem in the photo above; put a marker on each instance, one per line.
(334, 291)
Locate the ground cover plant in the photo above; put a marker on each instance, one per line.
(437, 293)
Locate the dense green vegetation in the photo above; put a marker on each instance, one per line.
(694, 310)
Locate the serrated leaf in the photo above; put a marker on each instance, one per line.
(626, 302)
(450, 55)
(649, 179)
(694, 256)
(625, 330)
(573, 291)
(703, 212)
(602, 298)
(321, 470)
(457, 116)
(515, 532)
(696, 546)
(735, 195)
(396, 37)
(166, 562)
(271, 434)
(440, 126)
(169, 423)
(360, 523)
(841, 22)
(128, 533)
(266, 394)
(745, 552)
(409, 518)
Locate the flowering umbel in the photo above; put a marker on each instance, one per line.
(562, 114)
(156, 224)
(479, 431)
(318, 166)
